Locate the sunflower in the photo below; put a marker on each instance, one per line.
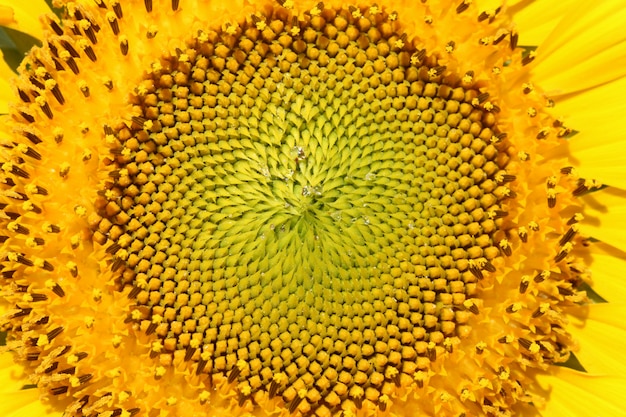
(280, 207)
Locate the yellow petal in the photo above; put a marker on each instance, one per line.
(598, 148)
(6, 92)
(607, 265)
(24, 403)
(604, 212)
(536, 20)
(573, 393)
(11, 375)
(601, 331)
(587, 48)
(25, 15)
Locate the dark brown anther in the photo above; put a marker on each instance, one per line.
(525, 343)
(440, 70)
(567, 236)
(18, 228)
(530, 57)
(117, 264)
(23, 96)
(542, 134)
(523, 235)
(59, 390)
(32, 137)
(38, 297)
(7, 274)
(115, 27)
(538, 313)
(124, 47)
(540, 277)
(506, 249)
(85, 90)
(201, 364)
(134, 293)
(234, 373)
(581, 189)
(117, 8)
(58, 290)
(101, 4)
(15, 170)
(90, 53)
(273, 389)
(483, 16)
(551, 201)
(27, 117)
(189, 353)
(514, 39)
(54, 229)
(73, 66)
(46, 110)
(488, 266)
(91, 35)
(81, 355)
(41, 191)
(474, 309)
(506, 178)
(21, 259)
(139, 121)
(34, 81)
(560, 256)
(432, 352)
(293, 406)
(133, 411)
(56, 28)
(475, 270)
(242, 399)
(523, 285)
(148, 4)
(47, 266)
(12, 215)
(54, 333)
(463, 6)
(68, 371)
(565, 291)
(85, 378)
(69, 48)
(22, 313)
(482, 97)
(499, 38)
(573, 220)
(151, 328)
(57, 65)
(56, 92)
(175, 5)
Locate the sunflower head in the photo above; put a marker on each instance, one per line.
(277, 208)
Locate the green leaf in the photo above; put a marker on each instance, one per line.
(14, 45)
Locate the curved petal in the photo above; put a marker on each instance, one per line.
(535, 20)
(587, 48)
(604, 212)
(25, 15)
(607, 265)
(6, 92)
(573, 393)
(598, 114)
(601, 331)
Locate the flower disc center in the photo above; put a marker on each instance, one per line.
(306, 207)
